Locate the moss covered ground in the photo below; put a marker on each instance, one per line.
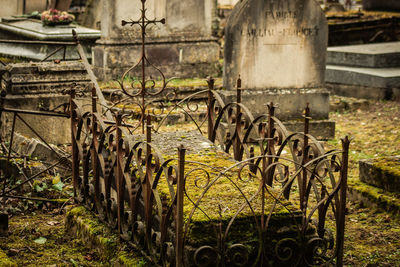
(41, 240)
(175, 83)
(372, 236)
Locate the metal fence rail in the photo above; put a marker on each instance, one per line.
(125, 183)
(9, 153)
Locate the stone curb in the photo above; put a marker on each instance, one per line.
(81, 224)
(374, 197)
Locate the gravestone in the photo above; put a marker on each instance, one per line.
(278, 48)
(183, 47)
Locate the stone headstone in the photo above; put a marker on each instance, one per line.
(276, 44)
(183, 47)
(278, 48)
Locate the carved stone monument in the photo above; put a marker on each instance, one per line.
(278, 48)
(183, 47)
(39, 87)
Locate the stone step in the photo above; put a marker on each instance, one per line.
(370, 77)
(364, 92)
(381, 55)
(374, 197)
(379, 184)
(383, 173)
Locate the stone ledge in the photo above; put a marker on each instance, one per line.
(383, 173)
(377, 55)
(374, 77)
(291, 102)
(366, 92)
(320, 129)
(374, 197)
(198, 59)
(81, 224)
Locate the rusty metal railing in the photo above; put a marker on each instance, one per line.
(257, 195)
(184, 212)
(145, 195)
(8, 153)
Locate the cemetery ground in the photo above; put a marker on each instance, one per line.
(37, 233)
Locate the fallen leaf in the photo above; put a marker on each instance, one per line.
(41, 240)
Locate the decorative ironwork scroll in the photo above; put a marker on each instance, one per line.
(270, 207)
(148, 86)
(258, 195)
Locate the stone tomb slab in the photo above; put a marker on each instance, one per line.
(30, 29)
(39, 86)
(34, 29)
(371, 77)
(381, 55)
(383, 173)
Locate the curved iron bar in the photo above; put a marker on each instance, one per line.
(248, 201)
(151, 215)
(276, 198)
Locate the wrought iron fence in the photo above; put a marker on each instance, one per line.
(279, 201)
(8, 152)
(162, 203)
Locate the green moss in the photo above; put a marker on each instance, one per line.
(225, 191)
(382, 199)
(125, 259)
(390, 165)
(225, 198)
(175, 83)
(77, 211)
(59, 248)
(5, 261)
(84, 225)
